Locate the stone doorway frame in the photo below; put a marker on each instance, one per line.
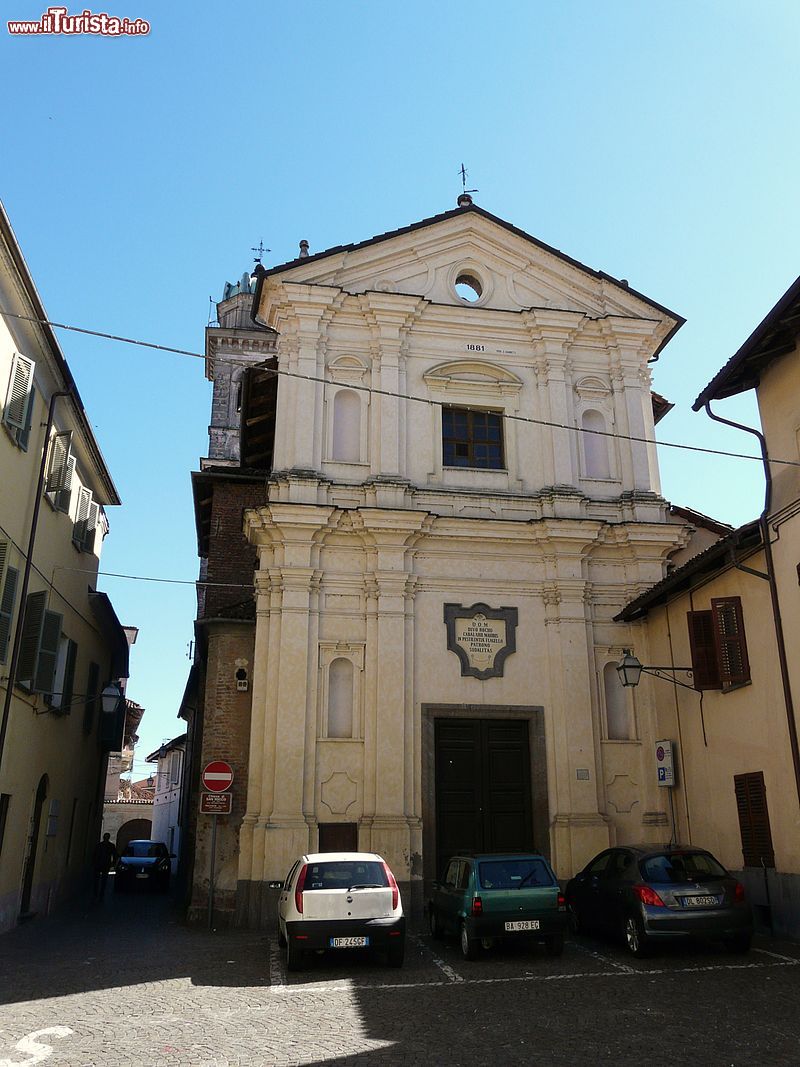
(540, 810)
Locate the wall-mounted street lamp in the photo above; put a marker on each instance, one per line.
(630, 670)
(110, 698)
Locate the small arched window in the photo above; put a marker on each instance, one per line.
(595, 446)
(340, 698)
(347, 427)
(617, 719)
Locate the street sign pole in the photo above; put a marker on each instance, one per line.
(211, 877)
(217, 777)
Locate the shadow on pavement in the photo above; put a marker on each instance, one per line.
(124, 940)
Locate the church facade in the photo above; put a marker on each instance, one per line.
(444, 492)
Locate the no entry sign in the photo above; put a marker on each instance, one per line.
(217, 776)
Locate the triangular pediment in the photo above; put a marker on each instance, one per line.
(509, 269)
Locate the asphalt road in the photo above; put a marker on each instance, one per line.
(125, 982)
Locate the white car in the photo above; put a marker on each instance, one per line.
(340, 900)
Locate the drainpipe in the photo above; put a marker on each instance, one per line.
(12, 669)
(776, 610)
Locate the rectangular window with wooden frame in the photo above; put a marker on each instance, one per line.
(718, 645)
(60, 700)
(23, 436)
(41, 637)
(472, 438)
(85, 528)
(60, 469)
(8, 593)
(751, 805)
(18, 398)
(92, 690)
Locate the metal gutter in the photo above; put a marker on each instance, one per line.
(773, 588)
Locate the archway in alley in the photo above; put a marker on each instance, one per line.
(133, 830)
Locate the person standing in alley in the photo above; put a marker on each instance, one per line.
(105, 855)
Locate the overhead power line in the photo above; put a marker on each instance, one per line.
(405, 396)
(166, 581)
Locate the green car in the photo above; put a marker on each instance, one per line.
(496, 897)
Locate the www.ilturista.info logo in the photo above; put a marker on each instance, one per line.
(56, 21)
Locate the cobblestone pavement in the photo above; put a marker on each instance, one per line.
(125, 982)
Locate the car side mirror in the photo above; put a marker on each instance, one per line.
(275, 885)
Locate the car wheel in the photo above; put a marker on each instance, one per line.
(739, 943)
(435, 924)
(281, 939)
(396, 954)
(635, 937)
(294, 957)
(555, 945)
(469, 946)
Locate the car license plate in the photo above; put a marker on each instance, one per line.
(528, 924)
(700, 902)
(141, 875)
(349, 942)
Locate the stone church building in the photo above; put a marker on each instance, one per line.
(427, 496)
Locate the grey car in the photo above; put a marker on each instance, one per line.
(650, 894)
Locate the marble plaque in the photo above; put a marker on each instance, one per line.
(481, 637)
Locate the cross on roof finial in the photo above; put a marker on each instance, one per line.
(261, 250)
(465, 199)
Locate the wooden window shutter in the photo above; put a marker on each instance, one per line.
(23, 435)
(69, 679)
(87, 544)
(734, 666)
(4, 547)
(62, 498)
(47, 660)
(59, 456)
(705, 668)
(31, 632)
(18, 389)
(7, 609)
(751, 804)
(90, 707)
(79, 529)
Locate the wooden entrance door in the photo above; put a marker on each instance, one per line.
(33, 846)
(338, 837)
(483, 788)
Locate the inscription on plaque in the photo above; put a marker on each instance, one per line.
(481, 637)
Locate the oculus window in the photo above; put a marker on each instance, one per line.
(472, 438)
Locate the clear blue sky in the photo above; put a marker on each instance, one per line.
(656, 141)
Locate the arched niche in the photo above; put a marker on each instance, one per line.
(346, 434)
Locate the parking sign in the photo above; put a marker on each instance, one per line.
(664, 765)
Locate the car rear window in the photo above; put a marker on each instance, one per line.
(345, 874)
(513, 873)
(145, 849)
(681, 867)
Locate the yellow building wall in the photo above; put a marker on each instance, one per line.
(65, 748)
(719, 735)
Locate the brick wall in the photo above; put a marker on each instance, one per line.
(230, 557)
(228, 637)
(226, 736)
